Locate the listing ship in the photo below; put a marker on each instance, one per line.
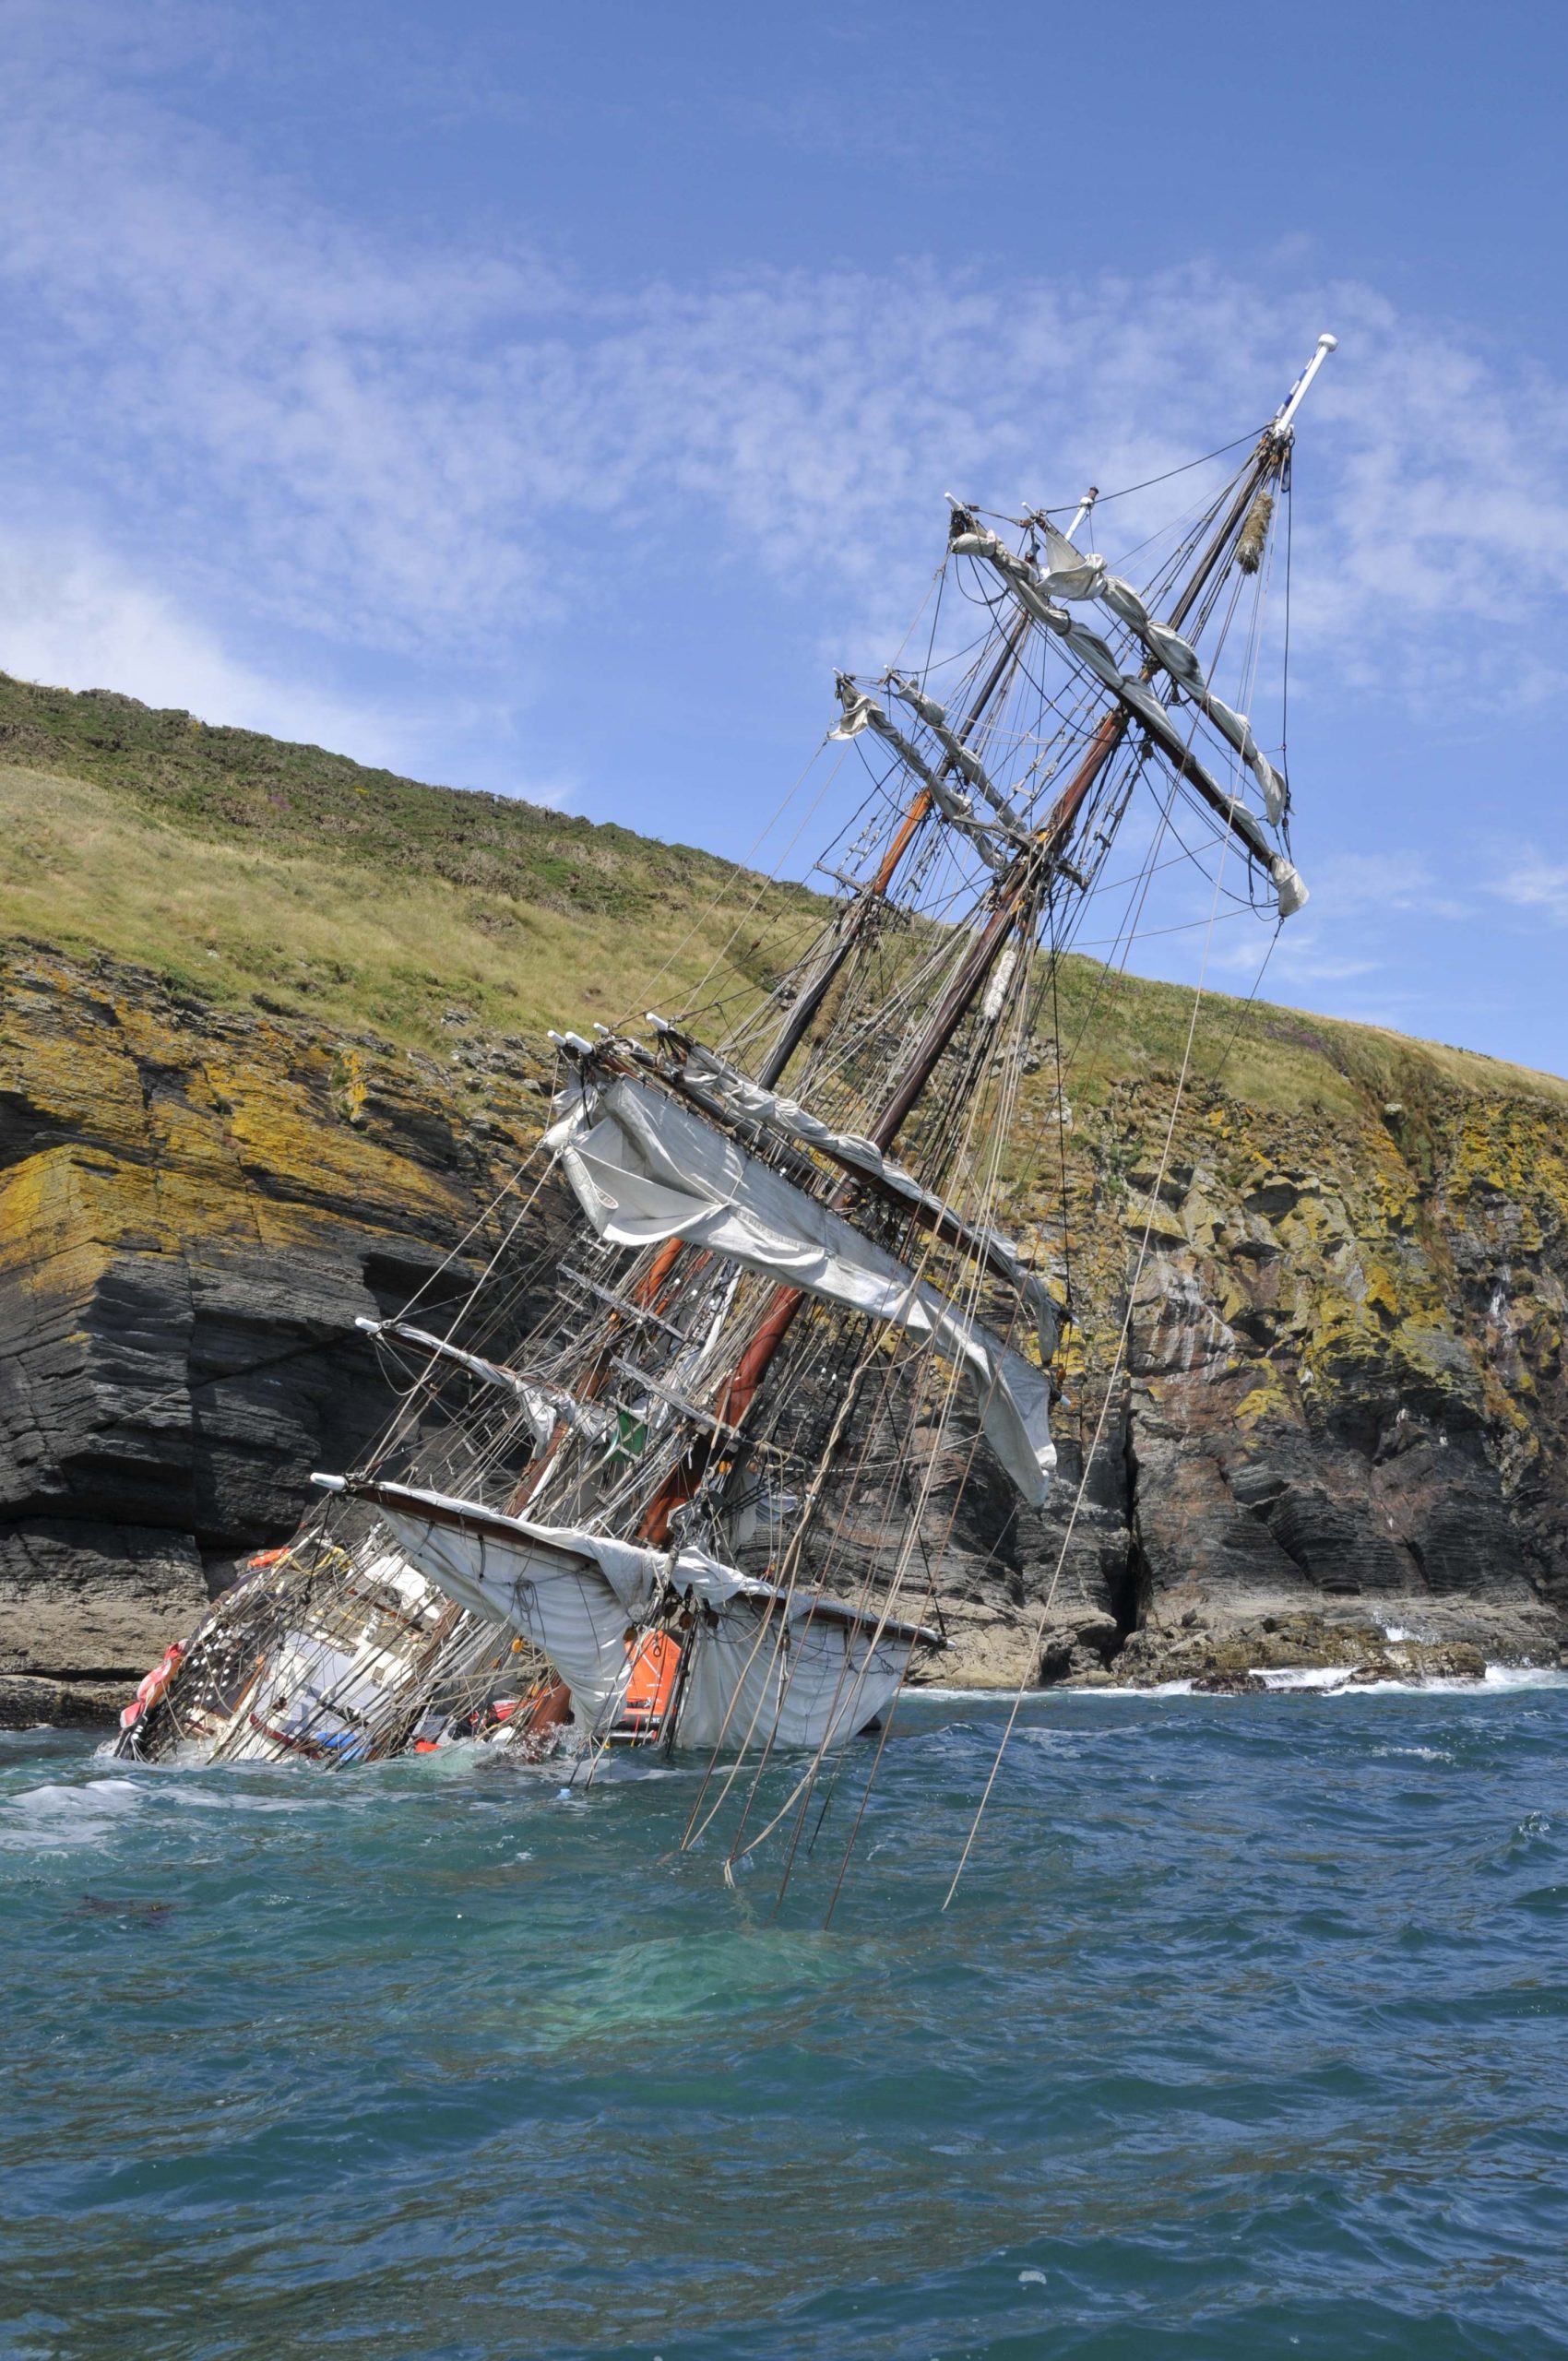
(689, 1506)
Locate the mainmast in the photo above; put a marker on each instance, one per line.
(1029, 867)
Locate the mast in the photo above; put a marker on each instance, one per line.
(798, 1022)
(1055, 836)
(777, 1315)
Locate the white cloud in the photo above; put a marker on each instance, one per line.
(72, 615)
(402, 447)
(1538, 886)
(1357, 883)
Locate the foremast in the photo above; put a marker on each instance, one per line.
(1034, 865)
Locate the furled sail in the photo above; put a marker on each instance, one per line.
(1074, 578)
(961, 758)
(823, 1672)
(644, 1169)
(544, 1404)
(862, 711)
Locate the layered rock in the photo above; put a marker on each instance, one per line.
(1341, 1412)
(195, 1206)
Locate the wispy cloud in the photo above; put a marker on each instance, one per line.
(1359, 883)
(72, 614)
(1538, 886)
(427, 448)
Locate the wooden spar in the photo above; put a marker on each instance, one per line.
(972, 975)
(1052, 838)
(797, 1022)
(779, 1312)
(782, 1306)
(774, 1325)
(1265, 459)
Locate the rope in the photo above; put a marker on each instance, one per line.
(1112, 1377)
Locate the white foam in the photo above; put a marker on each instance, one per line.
(1324, 1679)
(1312, 1676)
(69, 1814)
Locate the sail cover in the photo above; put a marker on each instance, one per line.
(644, 1169)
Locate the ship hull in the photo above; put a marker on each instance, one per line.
(757, 1671)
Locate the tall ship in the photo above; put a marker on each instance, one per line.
(674, 1473)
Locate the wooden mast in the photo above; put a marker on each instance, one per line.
(778, 1313)
(797, 1022)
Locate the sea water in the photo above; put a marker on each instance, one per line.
(1245, 2035)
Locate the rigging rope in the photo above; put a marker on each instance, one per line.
(1112, 1376)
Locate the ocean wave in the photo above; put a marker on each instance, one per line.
(70, 1813)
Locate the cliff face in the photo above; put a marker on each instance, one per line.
(1344, 1407)
(292, 1050)
(1344, 1412)
(195, 1206)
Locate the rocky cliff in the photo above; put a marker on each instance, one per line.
(1341, 1435)
(1338, 1433)
(194, 1207)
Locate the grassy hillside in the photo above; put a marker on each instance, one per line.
(248, 869)
(253, 871)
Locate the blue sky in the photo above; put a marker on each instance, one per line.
(546, 399)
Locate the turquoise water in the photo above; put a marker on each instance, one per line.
(1246, 2036)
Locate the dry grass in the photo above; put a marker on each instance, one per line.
(337, 940)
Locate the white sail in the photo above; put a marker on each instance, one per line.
(863, 712)
(545, 1405)
(815, 1683)
(1074, 578)
(819, 1674)
(737, 1096)
(961, 758)
(644, 1169)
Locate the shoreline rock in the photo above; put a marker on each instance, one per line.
(1344, 1413)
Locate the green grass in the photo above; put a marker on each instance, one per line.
(253, 871)
(248, 868)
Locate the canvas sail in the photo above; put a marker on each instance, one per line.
(763, 1665)
(644, 1169)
